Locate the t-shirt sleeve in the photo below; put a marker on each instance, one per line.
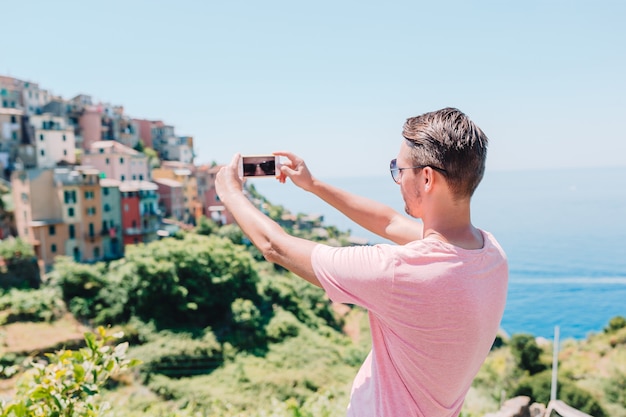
(361, 275)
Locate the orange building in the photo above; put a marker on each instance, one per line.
(58, 211)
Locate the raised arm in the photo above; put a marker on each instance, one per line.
(372, 215)
(274, 243)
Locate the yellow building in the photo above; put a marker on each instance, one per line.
(58, 212)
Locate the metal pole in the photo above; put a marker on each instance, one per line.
(555, 363)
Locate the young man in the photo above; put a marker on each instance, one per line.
(435, 299)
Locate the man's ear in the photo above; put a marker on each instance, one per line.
(428, 178)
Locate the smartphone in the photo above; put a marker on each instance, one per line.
(258, 165)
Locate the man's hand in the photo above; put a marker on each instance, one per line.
(227, 180)
(296, 170)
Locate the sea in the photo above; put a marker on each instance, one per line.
(564, 232)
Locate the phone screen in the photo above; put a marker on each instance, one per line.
(259, 166)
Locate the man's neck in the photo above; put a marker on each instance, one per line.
(453, 225)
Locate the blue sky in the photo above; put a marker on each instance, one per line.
(334, 80)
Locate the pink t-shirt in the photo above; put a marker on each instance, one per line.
(434, 312)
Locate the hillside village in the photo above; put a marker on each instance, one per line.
(84, 179)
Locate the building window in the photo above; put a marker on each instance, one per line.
(72, 231)
(123, 177)
(92, 231)
(96, 252)
(107, 208)
(70, 212)
(121, 160)
(140, 177)
(102, 151)
(64, 152)
(106, 161)
(51, 230)
(67, 197)
(105, 191)
(43, 153)
(41, 137)
(63, 138)
(53, 248)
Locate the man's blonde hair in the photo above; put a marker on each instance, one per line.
(448, 139)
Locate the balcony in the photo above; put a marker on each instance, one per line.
(92, 236)
(135, 231)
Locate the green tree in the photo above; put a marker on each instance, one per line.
(80, 285)
(206, 226)
(615, 324)
(527, 353)
(139, 147)
(197, 278)
(153, 157)
(232, 232)
(21, 266)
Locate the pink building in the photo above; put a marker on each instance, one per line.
(90, 123)
(207, 196)
(117, 161)
(145, 131)
(171, 198)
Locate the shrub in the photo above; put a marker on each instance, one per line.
(80, 285)
(527, 353)
(206, 226)
(615, 324)
(179, 354)
(231, 232)
(32, 305)
(20, 269)
(538, 387)
(616, 388)
(69, 384)
(197, 278)
(283, 325)
(248, 327)
(306, 302)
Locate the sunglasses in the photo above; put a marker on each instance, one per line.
(268, 168)
(396, 171)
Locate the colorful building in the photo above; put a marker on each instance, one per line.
(112, 239)
(10, 138)
(140, 211)
(183, 173)
(171, 198)
(117, 161)
(54, 140)
(59, 212)
(207, 195)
